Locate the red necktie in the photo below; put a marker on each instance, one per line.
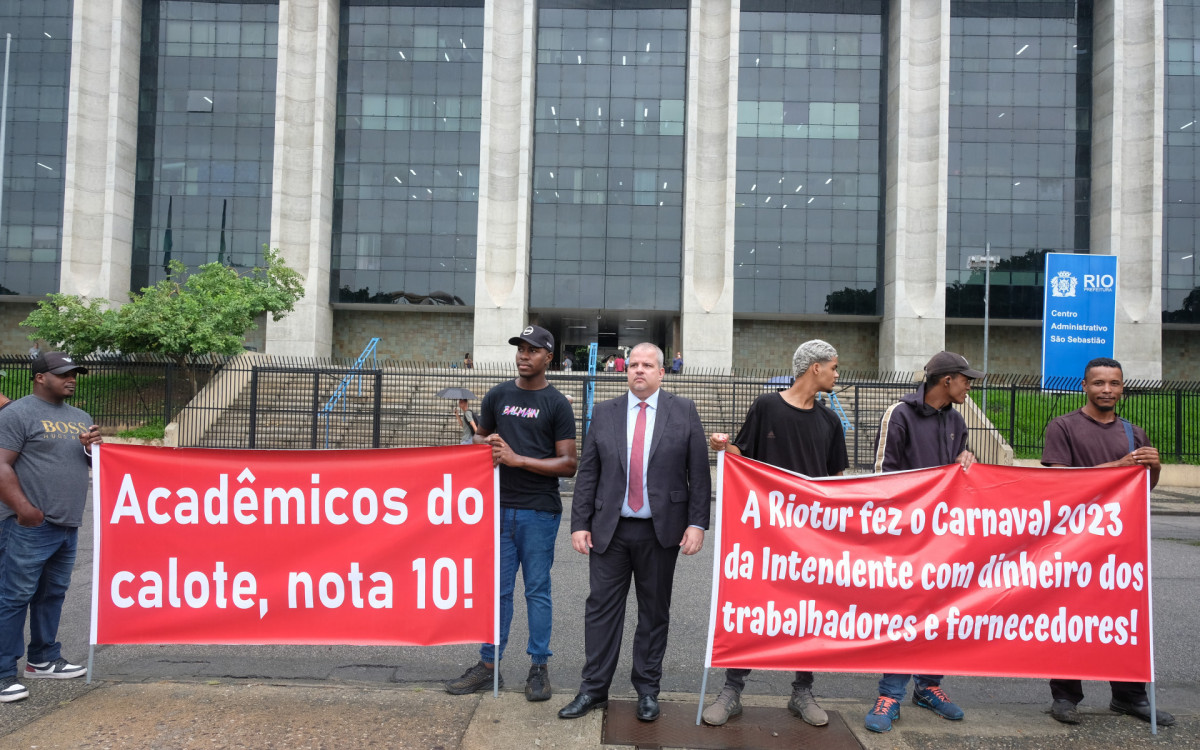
(635, 459)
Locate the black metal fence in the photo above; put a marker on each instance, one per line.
(1020, 408)
(122, 393)
(272, 402)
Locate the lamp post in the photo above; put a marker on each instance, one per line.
(986, 262)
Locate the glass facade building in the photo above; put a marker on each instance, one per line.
(406, 175)
(1020, 148)
(1181, 164)
(709, 178)
(808, 218)
(31, 216)
(607, 214)
(206, 133)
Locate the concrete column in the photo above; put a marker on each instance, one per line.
(506, 161)
(918, 137)
(102, 111)
(710, 173)
(302, 173)
(1127, 104)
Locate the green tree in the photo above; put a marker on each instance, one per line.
(183, 316)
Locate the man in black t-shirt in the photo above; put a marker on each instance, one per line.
(531, 429)
(1095, 436)
(792, 430)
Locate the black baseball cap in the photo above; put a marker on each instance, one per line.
(535, 336)
(55, 363)
(945, 363)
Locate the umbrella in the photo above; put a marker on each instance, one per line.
(456, 393)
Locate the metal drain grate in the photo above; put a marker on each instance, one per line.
(758, 728)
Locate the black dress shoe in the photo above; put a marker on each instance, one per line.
(647, 709)
(1142, 711)
(581, 705)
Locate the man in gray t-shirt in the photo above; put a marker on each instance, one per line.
(45, 450)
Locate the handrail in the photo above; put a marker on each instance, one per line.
(327, 410)
(837, 409)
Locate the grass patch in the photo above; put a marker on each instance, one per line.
(152, 430)
(1171, 419)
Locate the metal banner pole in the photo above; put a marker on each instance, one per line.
(1153, 710)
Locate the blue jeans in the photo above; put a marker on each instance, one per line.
(894, 685)
(526, 540)
(35, 571)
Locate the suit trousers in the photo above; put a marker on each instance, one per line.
(634, 552)
(1072, 690)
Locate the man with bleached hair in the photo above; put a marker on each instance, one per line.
(790, 429)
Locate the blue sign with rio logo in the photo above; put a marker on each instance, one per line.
(1079, 316)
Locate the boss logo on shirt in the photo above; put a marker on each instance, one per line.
(55, 430)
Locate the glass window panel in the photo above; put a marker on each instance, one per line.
(407, 154)
(1181, 204)
(35, 153)
(612, 214)
(808, 172)
(1009, 171)
(209, 93)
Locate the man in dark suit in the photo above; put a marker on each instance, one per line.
(641, 498)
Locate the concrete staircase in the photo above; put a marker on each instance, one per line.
(289, 414)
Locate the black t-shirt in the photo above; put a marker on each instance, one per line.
(531, 422)
(809, 441)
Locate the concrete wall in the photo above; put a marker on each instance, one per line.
(97, 232)
(769, 344)
(1127, 172)
(914, 245)
(505, 177)
(1181, 355)
(404, 335)
(302, 170)
(710, 172)
(13, 339)
(1011, 349)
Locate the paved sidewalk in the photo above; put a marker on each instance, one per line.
(1175, 501)
(299, 716)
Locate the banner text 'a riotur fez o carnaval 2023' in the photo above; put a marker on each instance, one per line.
(1009, 571)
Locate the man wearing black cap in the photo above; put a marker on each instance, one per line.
(920, 431)
(45, 450)
(531, 429)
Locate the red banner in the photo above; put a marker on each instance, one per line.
(1019, 572)
(381, 547)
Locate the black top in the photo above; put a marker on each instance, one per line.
(809, 441)
(531, 422)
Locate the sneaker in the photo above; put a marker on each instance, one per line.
(727, 705)
(804, 705)
(1064, 711)
(537, 684)
(880, 718)
(11, 690)
(936, 700)
(478, 677)
(59, 669)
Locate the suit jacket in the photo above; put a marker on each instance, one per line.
(677, 477)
